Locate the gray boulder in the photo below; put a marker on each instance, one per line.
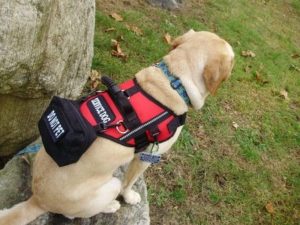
(46, 48)
(15, 186)
(166, 4)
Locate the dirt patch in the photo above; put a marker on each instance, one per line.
(109, 6)
(188, 6)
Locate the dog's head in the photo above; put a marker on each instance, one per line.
(202, 60)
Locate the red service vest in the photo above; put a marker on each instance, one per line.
(156, 123)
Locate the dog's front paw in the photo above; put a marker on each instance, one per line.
(131, 197)
(112, 207)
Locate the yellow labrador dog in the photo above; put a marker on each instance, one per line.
(201, 60)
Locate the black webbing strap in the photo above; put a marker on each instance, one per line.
(131, 91)
(131, 120)
(122, 102)
(141, 141)
(182, 119)
(176, 122)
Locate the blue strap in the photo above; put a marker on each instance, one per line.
(30, 149)
(174, 82)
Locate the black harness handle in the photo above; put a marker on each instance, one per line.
(122, 102)
(131, 119)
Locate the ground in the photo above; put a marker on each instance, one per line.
(237, 160)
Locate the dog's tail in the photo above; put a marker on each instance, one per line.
(21, 213)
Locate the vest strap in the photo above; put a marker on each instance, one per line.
(131, 91)
(121, 98)
(122, 102)
(176, 122)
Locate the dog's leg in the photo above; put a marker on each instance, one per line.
(135, 169)
(103, 200)
(107, 195)
(21, 213)
(112, 207)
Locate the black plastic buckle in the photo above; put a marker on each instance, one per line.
(175, 84)
(101, 127)
(126, 94)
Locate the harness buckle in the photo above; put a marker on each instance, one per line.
(176, 83)
(101, 127)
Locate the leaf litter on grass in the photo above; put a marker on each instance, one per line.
(240, 201)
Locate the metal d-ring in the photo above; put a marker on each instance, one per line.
(119, 123)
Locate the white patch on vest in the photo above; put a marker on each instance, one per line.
(55, 125)
(100, 110)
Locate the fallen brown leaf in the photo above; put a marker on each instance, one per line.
(270, 208)
(116, 16)
(95, 79)
(248, 53)
(260, 79)
(94, 84)
(284, 94)
(95, 75)
(117, 51)
(110, 29)
(114, 42)
(168, 38)
(295, 56)
(235, 125)
(118, 54)
(135, 29)
(294, 67)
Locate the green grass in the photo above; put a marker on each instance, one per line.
(217, 174)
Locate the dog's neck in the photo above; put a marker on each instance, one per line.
(197, 92)
(155, 83)
(189, 73)
(175, 82)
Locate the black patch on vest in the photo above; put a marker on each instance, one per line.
(55, 125)
(101, 110)
(66, 135)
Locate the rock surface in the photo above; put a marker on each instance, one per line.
(15, 187)
(46, 48)
(166, 4)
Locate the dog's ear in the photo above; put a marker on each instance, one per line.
(179, 40)
(216, 72)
